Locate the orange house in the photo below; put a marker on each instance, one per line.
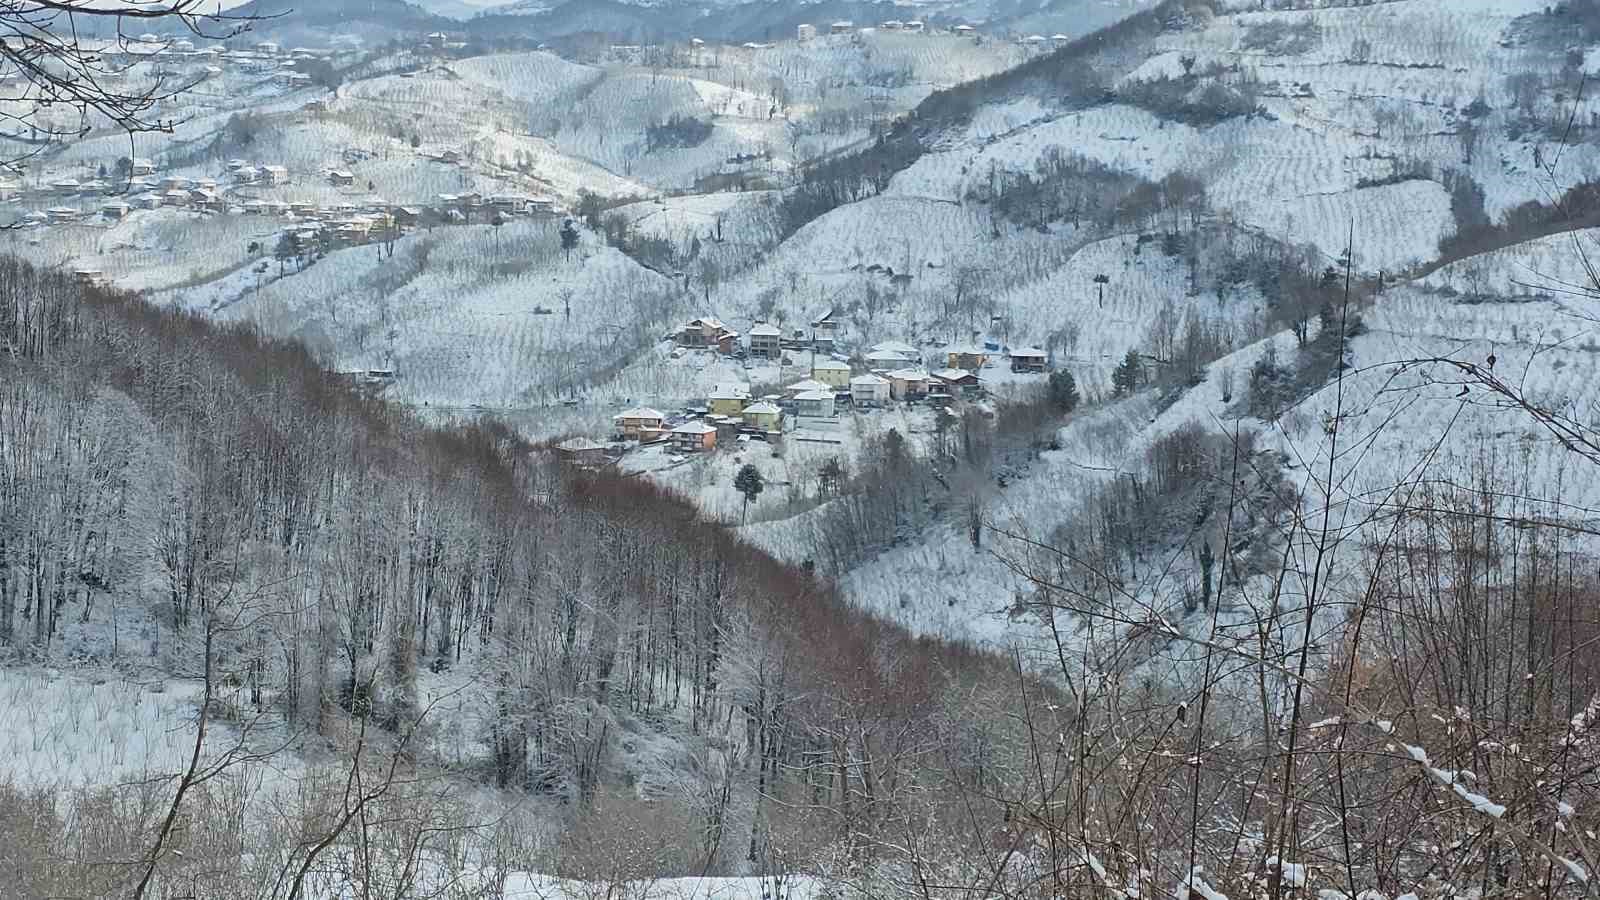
(694, 436)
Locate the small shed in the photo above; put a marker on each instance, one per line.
(142, 166)
(581, 451)
(694, 436)
(341, 177)
(815, 403)
(1028, 359)
(116, 209)
(832, 372)
(59, 214)
(763, 415)
(869, 390)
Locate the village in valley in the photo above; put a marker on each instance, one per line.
(805, 395)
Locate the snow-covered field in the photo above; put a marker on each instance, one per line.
(65, 730)
(464, 315)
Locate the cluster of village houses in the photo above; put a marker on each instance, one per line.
(345, 223)
(809, 32)
(889, 372)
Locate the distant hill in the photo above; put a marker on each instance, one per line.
(372, 20)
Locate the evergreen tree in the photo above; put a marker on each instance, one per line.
(569, 237)
(288, 248)
(1126, 377)
(749, 483)
(1063, 391)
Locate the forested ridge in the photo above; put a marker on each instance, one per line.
(174, 490)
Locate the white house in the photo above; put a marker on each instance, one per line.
(841, 28)
(869, 390)
(766, 341)
(275, 174)
(142, 167)
(815, 403)
(908, 383)
(116, 209)
(806, 33)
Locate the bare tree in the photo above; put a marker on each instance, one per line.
(52, 45)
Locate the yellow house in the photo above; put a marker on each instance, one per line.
(763, 415)
(728, 399)
(832, 372)
(970, 358)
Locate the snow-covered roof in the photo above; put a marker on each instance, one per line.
(910, 374)
(953, 374)
(762, 408)
(731, 392)
(695, 427)
(809, 384)
(814, 395)
(579, 444)
(765, 330)
(967, 350)
(868, 380)
(643, 412)
(887, 356)
(894, 347)
(1031, 352)
(831, 365)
